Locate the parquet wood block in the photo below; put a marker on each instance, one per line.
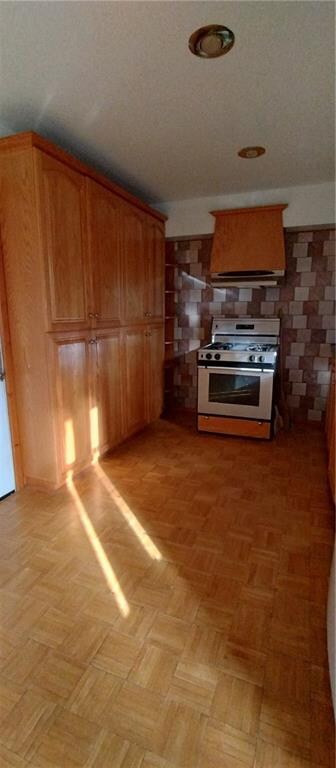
(112, 750)
(272, 755)
(251, 626)
(184, 738)
(169, 633)
(286, 724)
(117, 654)
(84, 640)
(287, 678)
(153, 669)
(244, 663)
(26, 724)
(93, 694)
(51, 628)
(56, 676)
(223, 746)
(10, 694)
(69, 741)
(237, 703)
(9, 759)
(205, 645)
(139, 715)
(19, 667)
(194, 684)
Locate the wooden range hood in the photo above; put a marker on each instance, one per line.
(248, 246)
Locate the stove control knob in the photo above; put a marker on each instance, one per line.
(208, 355)
(252, 358)
(261, 359)
(217, 356)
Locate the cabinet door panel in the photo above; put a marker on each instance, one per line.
(133, 265)
(134, 380)
(154, 372)
(108, 391)
(154, 269)
(73, 403)
(62, 223)
(104, 254)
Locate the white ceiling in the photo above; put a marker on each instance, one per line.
(116, 83)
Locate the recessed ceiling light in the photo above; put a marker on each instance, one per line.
(249, 153)
(211, 41)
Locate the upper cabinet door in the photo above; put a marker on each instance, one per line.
(62, 208)
(104, 213)
(132, 265)
(154, 254)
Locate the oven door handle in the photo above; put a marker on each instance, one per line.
(232, 370)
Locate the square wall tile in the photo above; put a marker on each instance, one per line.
(308, 279)
(299, 321)
(326, 308)
(323, 377)
(299, 389)
(303, 334)
(320, 364)
(245, 294)
(295, 307)
(295, 375)
(267, 308)
(304, 264)
(325, 350)
(272, 294)
(329, 293)
(297, 348)
(292, 361)
(301, 293)
(300, 250)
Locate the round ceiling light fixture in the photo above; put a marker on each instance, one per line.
(211, 41)
(250, 153)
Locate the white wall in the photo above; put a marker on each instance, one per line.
(307, 206)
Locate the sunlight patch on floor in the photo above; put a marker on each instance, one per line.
(128, 515)
(98, 549)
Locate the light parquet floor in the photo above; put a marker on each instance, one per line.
(167, 610)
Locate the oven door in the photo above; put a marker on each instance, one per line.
(241, 392)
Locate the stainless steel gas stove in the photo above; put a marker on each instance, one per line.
(236, 376)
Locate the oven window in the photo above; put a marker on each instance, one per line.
(234, 388)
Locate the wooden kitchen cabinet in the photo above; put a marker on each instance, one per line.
(154, 362)
(62, 224)
(134, 392)
(133, 265)
(71, 372)
(103, 226)
(83, 266)
(155, 270)
(106, 412)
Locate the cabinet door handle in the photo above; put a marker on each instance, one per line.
(90, 314)
(92, 341)
(96, 314)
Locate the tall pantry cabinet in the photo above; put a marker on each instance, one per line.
(84, 274)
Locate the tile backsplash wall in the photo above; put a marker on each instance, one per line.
(305, 302)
